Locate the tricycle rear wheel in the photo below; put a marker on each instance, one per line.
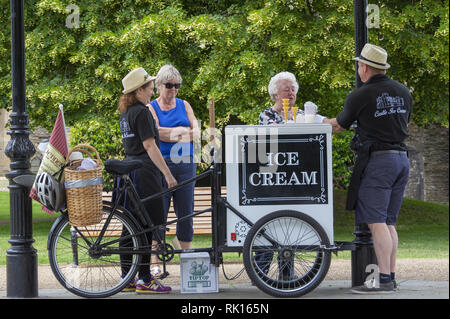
(82, 266)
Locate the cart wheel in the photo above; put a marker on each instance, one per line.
(83, 267)
(284, 254)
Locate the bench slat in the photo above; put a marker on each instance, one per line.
(202, 201)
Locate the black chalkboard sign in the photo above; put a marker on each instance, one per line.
(287, 169)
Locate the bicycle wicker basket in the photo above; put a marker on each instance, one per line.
(84, 189)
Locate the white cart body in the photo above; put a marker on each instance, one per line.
(278, 167)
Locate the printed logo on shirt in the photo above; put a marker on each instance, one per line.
(125, 129)
(387, 105)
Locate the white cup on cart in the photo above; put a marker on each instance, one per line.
(310, 112)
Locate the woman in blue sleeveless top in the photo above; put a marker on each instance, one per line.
(177, 126)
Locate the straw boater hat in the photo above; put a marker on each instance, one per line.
(374, 56)
(135, 79)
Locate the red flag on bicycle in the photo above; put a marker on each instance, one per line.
(55, 154)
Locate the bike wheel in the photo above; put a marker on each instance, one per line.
(88, 270)
(284, 254)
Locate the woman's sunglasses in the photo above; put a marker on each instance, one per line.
(172, 85)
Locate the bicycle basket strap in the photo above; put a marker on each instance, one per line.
(84, 182)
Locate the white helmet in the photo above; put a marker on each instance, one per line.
(50, 192)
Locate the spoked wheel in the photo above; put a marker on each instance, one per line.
(94, 270)
(284, 254)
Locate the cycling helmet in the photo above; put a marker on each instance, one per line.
(49, 191)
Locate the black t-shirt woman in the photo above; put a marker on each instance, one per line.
(141, 141)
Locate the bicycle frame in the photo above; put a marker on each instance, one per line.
(145, 225)
(218, 208)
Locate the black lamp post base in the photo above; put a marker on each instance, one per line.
(363, 255)
(21, 269)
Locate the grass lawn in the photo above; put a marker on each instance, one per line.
(423, 229)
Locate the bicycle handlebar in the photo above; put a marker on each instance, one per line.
(197, 177)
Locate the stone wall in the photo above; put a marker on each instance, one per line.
(4, 138)
(35, 137)
(429, 163)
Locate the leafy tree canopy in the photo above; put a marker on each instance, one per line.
(225, 49)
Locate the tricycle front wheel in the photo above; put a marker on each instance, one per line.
(284, 254)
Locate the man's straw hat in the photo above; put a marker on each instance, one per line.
(374, 56)
(135, 79)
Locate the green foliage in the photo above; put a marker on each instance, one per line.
(101, 134)
(417, 34)
(342, 159)
(225, 49)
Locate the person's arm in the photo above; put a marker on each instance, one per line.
(156, 157)
(334, 124)
(174, 134)
(171, 134)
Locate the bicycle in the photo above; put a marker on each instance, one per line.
(89, 261)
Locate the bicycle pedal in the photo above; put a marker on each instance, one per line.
(164, 275)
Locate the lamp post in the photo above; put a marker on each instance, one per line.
(21, 257)
(363, 254)
(361, 32)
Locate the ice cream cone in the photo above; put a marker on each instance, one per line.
(294, 109)
(286, 109)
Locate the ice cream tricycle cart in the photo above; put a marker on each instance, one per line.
(278, 212)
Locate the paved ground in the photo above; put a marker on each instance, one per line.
(418, 279)
(334, 289)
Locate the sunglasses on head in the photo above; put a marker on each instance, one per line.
(172, 85)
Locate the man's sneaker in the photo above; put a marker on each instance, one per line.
(152, 287)
(372, 287)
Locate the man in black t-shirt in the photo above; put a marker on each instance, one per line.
(382, 109)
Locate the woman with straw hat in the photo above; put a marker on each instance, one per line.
(141, 141)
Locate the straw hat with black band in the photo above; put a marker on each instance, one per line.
(135, 79)
(374, 56)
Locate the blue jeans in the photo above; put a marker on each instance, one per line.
(183, 198)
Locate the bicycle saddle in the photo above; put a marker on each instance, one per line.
(124, 167)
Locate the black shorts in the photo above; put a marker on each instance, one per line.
(382, 187)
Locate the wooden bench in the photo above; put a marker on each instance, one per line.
(202, 222)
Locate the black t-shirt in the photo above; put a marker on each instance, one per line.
(137, 125)
(382, 108)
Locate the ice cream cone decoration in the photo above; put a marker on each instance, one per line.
(294, 109)
(286, 109)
